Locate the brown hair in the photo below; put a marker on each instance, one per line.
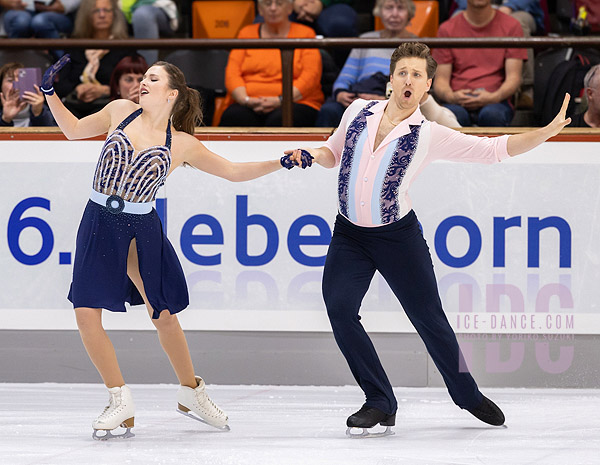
(187, 113)
(414, 50)
(83, 28)
(135, 64)
(408, 4)
(9, 68)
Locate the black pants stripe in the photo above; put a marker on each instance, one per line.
(399, 252)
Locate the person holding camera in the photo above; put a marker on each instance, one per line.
(21, 111)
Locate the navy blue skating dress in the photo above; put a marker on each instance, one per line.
(119, 210)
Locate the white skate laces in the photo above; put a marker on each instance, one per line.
(196, 404)
(119, 412)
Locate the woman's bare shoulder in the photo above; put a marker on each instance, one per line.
(118, 110)
(182, 137)
(183, 143)
(121, 106)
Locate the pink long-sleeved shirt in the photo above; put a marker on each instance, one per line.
(373, 184)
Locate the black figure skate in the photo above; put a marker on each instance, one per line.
(488, 412)
(368, 417)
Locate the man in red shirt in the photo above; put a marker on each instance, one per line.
(476, 84)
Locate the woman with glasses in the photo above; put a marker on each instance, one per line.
(253, 76)
(85, 81)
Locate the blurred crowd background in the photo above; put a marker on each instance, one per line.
(242, 87)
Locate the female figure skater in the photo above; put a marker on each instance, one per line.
(122, 253)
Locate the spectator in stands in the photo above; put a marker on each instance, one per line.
(367, 70)
(253, 77)
(528, 12)
(530, 15)
(151, 19)
(592, 14)
(84, 82)
(30, 110)
(38, 19)
(329, 18)
(126, 77)
(591, 117)
(477, 84)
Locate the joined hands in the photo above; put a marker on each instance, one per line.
(298, 157)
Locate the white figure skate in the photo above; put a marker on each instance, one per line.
(118, 412)
(196, 404)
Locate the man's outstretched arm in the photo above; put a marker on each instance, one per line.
(520, 143)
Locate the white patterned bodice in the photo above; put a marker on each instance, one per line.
(135, 177)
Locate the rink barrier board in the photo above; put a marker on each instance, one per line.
(250, 280)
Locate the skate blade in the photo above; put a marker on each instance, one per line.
(365, 433)
(197, 418)
(108, 435)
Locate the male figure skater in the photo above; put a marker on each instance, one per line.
(381, 147)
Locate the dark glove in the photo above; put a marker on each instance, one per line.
(286, 162)
(47, 86)
(305, 157)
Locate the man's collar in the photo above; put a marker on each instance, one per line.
(415, 119)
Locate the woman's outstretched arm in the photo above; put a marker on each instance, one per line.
(71, 126)
(74, 128)
(198, 156)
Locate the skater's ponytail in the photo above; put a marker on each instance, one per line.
(187, 112)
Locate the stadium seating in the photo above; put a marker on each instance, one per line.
(220, 19)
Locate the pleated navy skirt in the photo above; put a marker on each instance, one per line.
(100, 268)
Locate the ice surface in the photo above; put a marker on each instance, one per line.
(50, 424)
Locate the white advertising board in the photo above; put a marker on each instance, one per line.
(516, 245)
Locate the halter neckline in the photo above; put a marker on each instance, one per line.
(133, 116)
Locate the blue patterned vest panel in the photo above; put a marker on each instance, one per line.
(396, 169)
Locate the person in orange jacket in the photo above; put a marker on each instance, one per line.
(253, 76)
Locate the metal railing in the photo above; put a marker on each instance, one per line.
(287, 47)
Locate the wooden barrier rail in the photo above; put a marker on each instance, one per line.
(287, 47)
(291, 134)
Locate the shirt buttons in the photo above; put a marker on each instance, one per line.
(366, 179)
(372, 157)
(362, 204)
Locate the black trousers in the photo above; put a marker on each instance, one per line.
(239, 115)
(399, 252)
